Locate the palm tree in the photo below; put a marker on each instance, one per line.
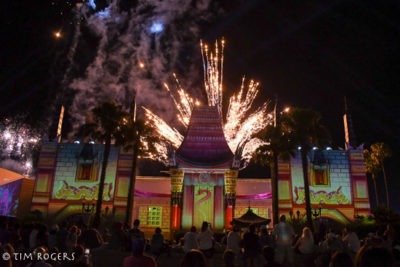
(306, 130)
(379, 152)
(373, 168)
(107, 121)
(138, 137)
(277, 146)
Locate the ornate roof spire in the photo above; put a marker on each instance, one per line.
(349, 135)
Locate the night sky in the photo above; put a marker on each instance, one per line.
(307, 53)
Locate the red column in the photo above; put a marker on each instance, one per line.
(175, 217)
(228, 216)
(177, 177)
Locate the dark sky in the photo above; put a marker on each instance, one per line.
(315, 54)
(307, 53)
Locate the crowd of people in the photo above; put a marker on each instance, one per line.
(282, 247)
(77, 245)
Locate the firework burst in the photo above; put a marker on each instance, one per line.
(136, 50)
(17, 143)
(242, 122)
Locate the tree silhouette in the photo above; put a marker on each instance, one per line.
(379, 152)
(108, 117)
(305, 129)
(277, 145)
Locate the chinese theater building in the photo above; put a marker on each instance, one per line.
(202, 184)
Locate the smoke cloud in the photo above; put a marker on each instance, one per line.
(131, 59)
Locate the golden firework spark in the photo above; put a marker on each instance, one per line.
(213, 62)
(242, 123)
(163, 129)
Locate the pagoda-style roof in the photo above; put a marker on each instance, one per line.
(204, 143)
(250, 218)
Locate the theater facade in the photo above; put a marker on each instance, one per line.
(203, 183)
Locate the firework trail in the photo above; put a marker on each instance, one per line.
(213, 63)
(184, 104)
(239, 106)
(163, 129)
(78, 11)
